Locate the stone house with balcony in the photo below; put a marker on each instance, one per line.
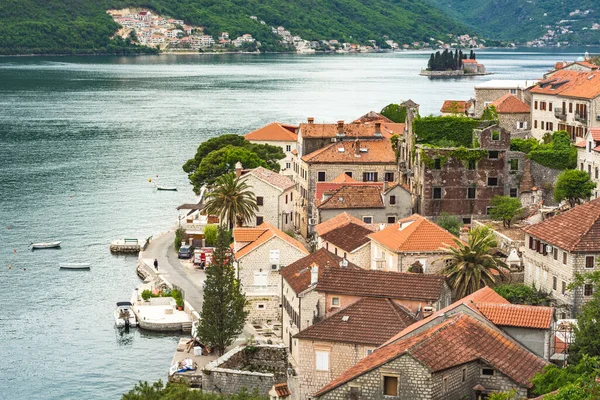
(275, 195)
(588, 157)
(514, 115)
(567, 100)
(488, 92)
(280, 135)
(559, 248)
(259, 254)
(478, 356)
(413, 242)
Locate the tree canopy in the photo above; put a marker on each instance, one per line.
(446, 60)
(177, 391)
(232, 200)
(451, 223)
(394, 112)
(557, 152)
(505, 209)
(519, 293)
(574, 186)
(587, 331)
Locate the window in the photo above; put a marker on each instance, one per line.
(555, 253)
(391, 220)
(564, 287)
(512, 91)
(596, 173)
(472, 165)
(390, 386)
(349, 173)
(554, 283)
(535, 124)
(589, 261)
(261, 278)
(335, 302)
(370, 177)
(445, 385)
(564, 257)
(493, 155)
(514, 164)
(588, 289)
(389, 177)
(291, 196)
(550, 126)
(322, 360)
(259, 200)
(513, 192)
(367, 220)
(581, 166)
(471, 193)
(487, 372)
(392, 200)
(286, 199)
(542, 124)
(590, 170)
(321, 176)
(488, 209)
(495, 135)
(437, 163)
(535, 105)
(521, 125)
(466, 220)
(492, 181)
(288, 165)
(571, 107)
(437, 193)
(550, 106)
(259, 220)
(370, 351)
(288, 147)
(464, 375)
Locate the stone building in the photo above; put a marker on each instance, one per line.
(331, 346)
(568, 100)
(348, 237)
(274, 197)
(488, 92)
(280, 135)
(559, 248)
(259, 254)
(582, 66)
(588, 156)
(458, 108)
(514, 115)
(409, 241)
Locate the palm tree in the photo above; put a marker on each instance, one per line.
(470, 266)
(231, 201)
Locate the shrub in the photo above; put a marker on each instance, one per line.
(559, 153)
(505, 209)
(524, 145)
(210, 234)
(451, 223)
(146, 294)
(455, 130)
(179, 238)
(395, 112)
(519, 293)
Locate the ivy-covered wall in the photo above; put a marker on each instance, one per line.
(447, 131)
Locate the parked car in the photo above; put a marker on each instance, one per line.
(186, 252)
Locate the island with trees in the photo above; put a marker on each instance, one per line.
(453, 63)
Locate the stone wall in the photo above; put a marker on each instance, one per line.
(263, 309)
(509, 121)
(545, 178)
(535, 340)
(360, 257)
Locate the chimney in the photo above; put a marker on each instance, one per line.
(238, 169)
(311, 120)
(377, 128)
(357, 148)
(340, 128)
(385, 185)
(314, 274)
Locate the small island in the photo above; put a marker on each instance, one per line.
(448, 63)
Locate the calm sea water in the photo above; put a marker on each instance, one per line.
(79, 138)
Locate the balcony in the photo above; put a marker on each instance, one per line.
(581, 118)
(560, 114)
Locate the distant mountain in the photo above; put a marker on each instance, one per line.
(526, 20)
(82, 26)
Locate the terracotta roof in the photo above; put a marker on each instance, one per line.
(273, 132)
(509, 104)
(457, 340)
(349, 197)
(295, 152)
(331, 130)
(517, 315)
(369, 321)
(297, 274)
(343, 178)
(269, 232)
(595, 132)
(418, 235)
(587, 64)
(338, 221)
(569, 83)
(378, 151)
(349, 237)
(581, 143)
(282, 390)
(374, 283)
(469, 61)
(455, 106)
(247, 234)
(332, 187)
(372, 116)
(281, 182)
(577, 230)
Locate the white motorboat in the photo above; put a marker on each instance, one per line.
(45, 245)
(76, 266)
(124, 316)
(167, 188)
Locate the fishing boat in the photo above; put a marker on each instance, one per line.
(45, 245)
(167, 188)
(124, 316)
(76, 266)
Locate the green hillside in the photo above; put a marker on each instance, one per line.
(526, 20)
(82, 26)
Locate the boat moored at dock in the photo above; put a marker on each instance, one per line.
(124, 316)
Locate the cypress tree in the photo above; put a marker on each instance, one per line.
(461, 57)
(223, 314)
(471, 55)
(431, 63)
(437, 61)
(456, 60)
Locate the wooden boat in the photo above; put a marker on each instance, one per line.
(76, 266)
(167, 188)
(124, 316)
(45, 245)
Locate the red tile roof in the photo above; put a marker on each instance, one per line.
(595, 134)
(418, 235)
(377, 151)
(457, 340)
(517, 315)
(468, 61)
(298, 276)
(279, 181)
(343, 178)
(369, 321)
(269, 232)
(372, 116)
(282, 390)
(577, 230)
(455, 106)
(349, 197)
(349, 237)
(353, 130)
(273, 132)
(509, 104)
(569, 83)
(374, 283)
(338, 221)
(331, 187)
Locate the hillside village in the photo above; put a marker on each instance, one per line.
(345, 262)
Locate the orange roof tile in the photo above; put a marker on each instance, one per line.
(282, 390)
(377, 151)
(414, 234)
(331, 187)
(279, 181)
(455, 106)
(595, 132)
(517, 315)
(273, 132)
(469, 61)
(343, 178)
(569, 83)
(509, 104)
(354, 196)
(247, 234)
(363, 130)
(338, 221)
(349, 237)
(372, 116)
(269, 232)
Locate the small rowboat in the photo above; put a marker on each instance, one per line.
(76, 266)
(45, 245)
(168, 188)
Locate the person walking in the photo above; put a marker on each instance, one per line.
(156, 264)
